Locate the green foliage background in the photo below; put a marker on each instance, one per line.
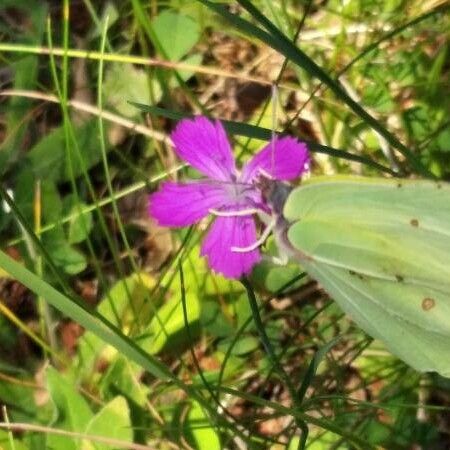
(169, 355)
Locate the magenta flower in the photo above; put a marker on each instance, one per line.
(230, 195)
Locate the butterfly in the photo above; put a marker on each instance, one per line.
(381, 249)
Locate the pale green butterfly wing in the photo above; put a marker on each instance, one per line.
(381, 248)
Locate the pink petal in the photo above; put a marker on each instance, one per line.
(178, 205)
(204, 145)
(284, 158)
(227, 232)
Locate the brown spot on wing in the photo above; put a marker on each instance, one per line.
(356, 274)
(414, 222)
(428, 303)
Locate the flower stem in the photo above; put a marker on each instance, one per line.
(274, 359)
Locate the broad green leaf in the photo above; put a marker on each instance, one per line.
(128, 300)
(56, 243)
(124, 83)
(243, 346)
(112, 421)
(125, 302)
(48, 159)
(213, 319)
(193, 60)
(176, 33)
(272, 277)
(80, 224)
(50, 202)
(198, 276)
(5, 442)
(200, 430)
(24, 196)
(121, 376)
(18, 399)
(72, 413)
(443, 141)
(167, 328)
(25, 72)
(381, 249)
(65, 256)
(243, 313)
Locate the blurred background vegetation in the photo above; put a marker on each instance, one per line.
(78, 160)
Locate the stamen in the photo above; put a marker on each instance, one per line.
(242, 212)
(260, 241)
(250, 248)
(266, 174)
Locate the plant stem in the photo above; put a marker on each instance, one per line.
(274, 359)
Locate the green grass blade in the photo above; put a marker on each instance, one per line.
(326, 424)
(96, 324)
(88, 319)
(314, 364)
(59, 275)
(265, 134)
(374, 45)
(278, 41)
(276, 364)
